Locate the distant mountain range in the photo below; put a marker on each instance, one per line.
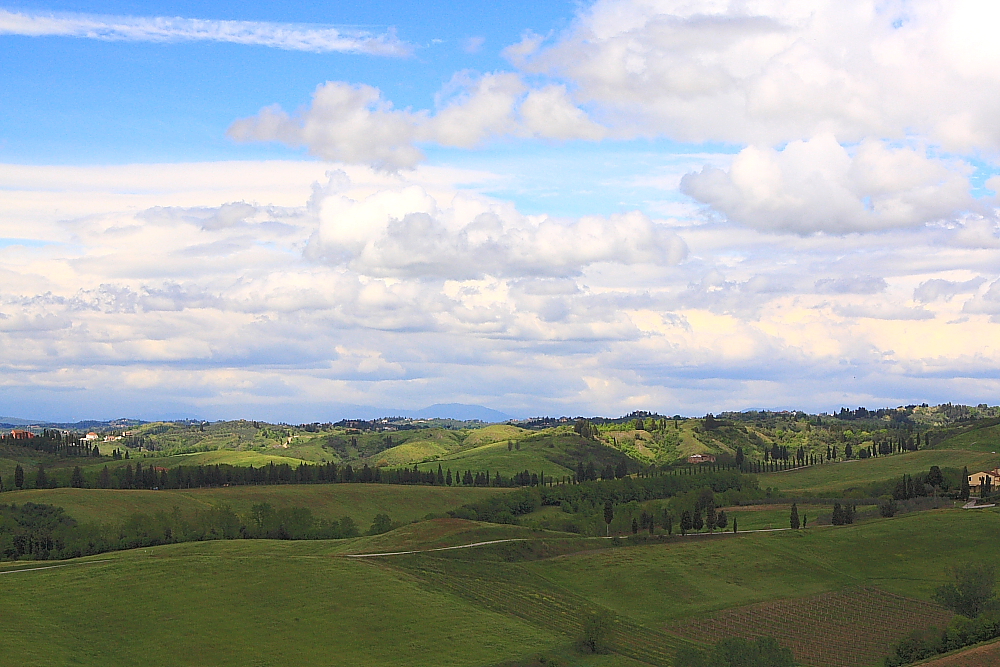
(456, 411)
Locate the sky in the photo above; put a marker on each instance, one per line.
(303, 212)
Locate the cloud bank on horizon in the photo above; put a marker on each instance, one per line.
(812, 223)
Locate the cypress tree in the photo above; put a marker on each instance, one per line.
(686, 522)
(710, 516)
(41, 479)
(609, 515)
(77, 480)
(966, 491)
(734, 525)
(793, 519)
(19, 476)
(838, 515)
(635, 526)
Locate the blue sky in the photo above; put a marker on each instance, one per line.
(286, 211)
(77, 100)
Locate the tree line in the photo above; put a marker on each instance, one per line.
(35, 531)
(507, 507)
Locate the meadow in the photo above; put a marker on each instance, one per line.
(327, 501)
(294, 602)
(834, 479)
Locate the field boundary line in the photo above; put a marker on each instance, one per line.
(424, 551)
(525, 539)
(50, 567)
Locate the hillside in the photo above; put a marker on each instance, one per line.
(281, 602)
(326, 501)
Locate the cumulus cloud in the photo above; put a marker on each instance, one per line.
(938, 289)
(400, 289)
(773, 72)
(345, 123)
(818, 186)
(406, 232)
(288, 36)
(354, 124)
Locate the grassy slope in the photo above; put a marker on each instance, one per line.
(329, 501)
(836, 477)
(247, 603)
(980, 440)
(295, 603)
(657, 584)
(554, 452)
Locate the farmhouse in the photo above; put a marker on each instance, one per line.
(701, 458)
(977, 480)
(18, 434)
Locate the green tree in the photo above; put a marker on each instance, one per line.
(696, 521)
(19, 476)
(381, 524)
(635, 526)
(738, 652)
(597, 631)
(734, 525)
(966, 490)
(793, 519)
(609, 515)
(721, 521)
(668, 522)
(76, 481)
(41, 479)
(348, 528)
(686, 522)
(710, 516)
(838, 515)
(104, 479)
(970, 592)
(934, 477)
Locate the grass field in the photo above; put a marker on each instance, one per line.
(555, 452)
(833, 479)
(248, 603)
(237, 602)
(327, 501)
(980, 440)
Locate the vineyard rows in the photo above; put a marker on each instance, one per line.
(849, 628)
(510, 589)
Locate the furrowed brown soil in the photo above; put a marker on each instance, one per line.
(855, 627)
(987, 655)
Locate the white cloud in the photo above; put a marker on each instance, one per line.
(353, 124)
(939, 289)
(403, 290)
(768, 72)
(818, 186)
(288, 36)
(406, 232)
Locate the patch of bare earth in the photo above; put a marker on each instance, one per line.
(855, 627)
(987, 655)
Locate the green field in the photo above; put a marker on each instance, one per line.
(832, 479)
(980, 440)
(259, 602)
(327, 501)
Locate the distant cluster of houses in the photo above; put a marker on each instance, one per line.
(20, 434)
(701, 458)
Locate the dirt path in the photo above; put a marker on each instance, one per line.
(524, 539)
(50, 567)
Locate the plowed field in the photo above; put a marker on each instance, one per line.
(851, 628)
